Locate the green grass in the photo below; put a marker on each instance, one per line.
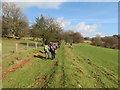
(98, 73)
(83, 66)
(9, 45)
(107, 58)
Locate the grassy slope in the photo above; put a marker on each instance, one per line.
(9, 58)
(71, 68)
(105, 57)
(8, 45)
(87, 72)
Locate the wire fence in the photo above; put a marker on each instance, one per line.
(18, 47)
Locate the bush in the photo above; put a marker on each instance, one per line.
(107, 42)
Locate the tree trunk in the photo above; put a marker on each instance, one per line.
(43, 39)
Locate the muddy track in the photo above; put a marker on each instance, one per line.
(15, 67)
(50, 78)
(63, 78)
(44, 80)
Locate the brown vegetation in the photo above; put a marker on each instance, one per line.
(107, 42)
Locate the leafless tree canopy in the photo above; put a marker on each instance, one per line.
(14, 21)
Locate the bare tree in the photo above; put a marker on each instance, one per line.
(13, 20)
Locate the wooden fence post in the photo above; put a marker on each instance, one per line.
(35, 45)
(27, 44)
(0, 50)
(16, 47)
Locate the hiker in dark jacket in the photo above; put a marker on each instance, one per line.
(53, 50)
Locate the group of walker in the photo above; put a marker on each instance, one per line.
(50, 48)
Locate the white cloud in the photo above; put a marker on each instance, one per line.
(43, 5)
(35, 0)
(63, 22)
(98, 21)
(62, 0)
(85, 30)
(102, 21)
(23, 4)
(98, 34)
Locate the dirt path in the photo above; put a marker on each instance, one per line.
(56, 76)
(15, 67)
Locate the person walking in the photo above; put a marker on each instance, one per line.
(47, 52)
(55, 46)
(70, 45)
(53, 50)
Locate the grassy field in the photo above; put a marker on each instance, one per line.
(83, 66)
(9, 45)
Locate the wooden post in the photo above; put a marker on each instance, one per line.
(0, 50)
(35, 45)
(27, 44)
(16, 47)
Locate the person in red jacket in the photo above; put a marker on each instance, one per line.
(53, 50)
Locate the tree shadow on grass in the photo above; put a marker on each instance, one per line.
(43, 58)
(30, 44)
(39, 56)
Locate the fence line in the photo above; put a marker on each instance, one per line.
(28, 45)
(19, 46)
